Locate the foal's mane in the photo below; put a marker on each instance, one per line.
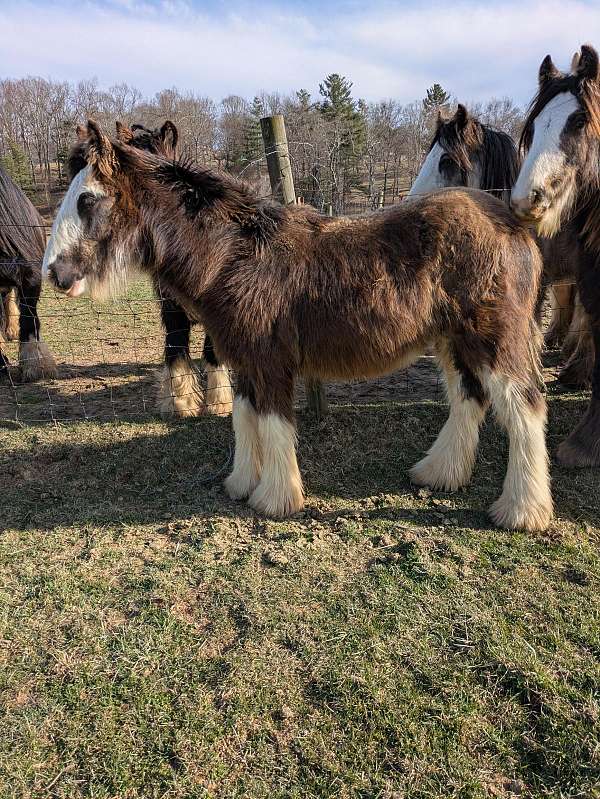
(21, 227)
(201, 190)
(467, 140)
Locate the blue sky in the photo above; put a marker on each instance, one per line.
(388, 49)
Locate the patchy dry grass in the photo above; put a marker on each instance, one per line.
(158, 640)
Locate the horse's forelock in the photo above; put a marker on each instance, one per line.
(585, 90)
(460, 144)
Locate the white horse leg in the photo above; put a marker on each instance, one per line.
(247, 458)
(449, 463)
(525, 502)
(280, 492)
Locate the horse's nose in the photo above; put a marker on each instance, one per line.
(525, 206)
(61, 275)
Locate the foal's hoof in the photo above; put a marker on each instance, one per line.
(582, 448)
(439, 476)
(534, 517)
(12, 332)
(575, 454)
(277, 504)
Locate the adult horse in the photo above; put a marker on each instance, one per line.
(22, 243)
(559, 184)
(285, 291)
(179, 390)
(465, 152)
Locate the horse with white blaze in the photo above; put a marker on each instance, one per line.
(286, 292)
(559, 184)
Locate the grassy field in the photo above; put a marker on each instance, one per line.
(159, 640)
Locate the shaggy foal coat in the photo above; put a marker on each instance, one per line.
(284, 291)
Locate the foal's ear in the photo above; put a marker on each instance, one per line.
(585, 63)
(169, 135)
(461, 117)
(547, 71)
(124, 134)
(101, 153)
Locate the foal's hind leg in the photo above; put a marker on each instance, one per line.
(449, 463)
(525, 502)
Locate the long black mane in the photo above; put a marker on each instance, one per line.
(470, 143)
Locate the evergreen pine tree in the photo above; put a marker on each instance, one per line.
(435, 98)
(15, 165)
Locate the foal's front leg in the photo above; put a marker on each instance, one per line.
(247, 459)
(265, 450)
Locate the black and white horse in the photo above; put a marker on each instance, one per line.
(559, 185)
(465, 152)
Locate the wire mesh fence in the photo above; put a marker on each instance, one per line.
(110, 356)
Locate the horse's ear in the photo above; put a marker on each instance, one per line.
(169, 135)
(81, 133)
(547, 70)
(124, 134)
(461, 117)
(101, 153)
(586, 65)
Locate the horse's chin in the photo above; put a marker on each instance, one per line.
(550, 223)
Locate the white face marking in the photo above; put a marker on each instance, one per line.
(429, 178)
(545, 159)
(67, 228)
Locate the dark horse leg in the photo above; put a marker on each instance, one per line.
(4, 362)
(35, 359)
(578, 351)
(582, 447)
(180, 392)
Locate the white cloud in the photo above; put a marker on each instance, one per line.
(474, 49)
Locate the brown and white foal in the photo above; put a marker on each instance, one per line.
(284, 292)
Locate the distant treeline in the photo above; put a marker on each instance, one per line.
(344, 150)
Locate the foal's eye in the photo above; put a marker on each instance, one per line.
(86, 202)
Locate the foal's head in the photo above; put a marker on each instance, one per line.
(561, 138)
(96, 228)
(466, 153)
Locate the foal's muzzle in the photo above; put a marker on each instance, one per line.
(66, 278)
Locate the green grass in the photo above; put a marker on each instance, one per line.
(159, 640)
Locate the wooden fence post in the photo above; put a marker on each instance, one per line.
(282, 186)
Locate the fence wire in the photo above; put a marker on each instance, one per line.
(110, 356)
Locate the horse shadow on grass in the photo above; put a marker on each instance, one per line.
(138, 474)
